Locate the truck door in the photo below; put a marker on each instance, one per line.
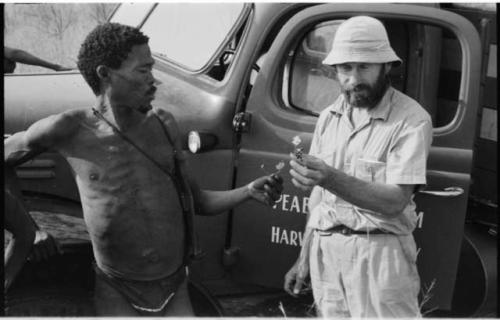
(293, 86)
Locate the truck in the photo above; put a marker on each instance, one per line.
(243, 81)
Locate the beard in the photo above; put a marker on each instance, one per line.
(367, 96)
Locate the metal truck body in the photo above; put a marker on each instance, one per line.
(257, 85)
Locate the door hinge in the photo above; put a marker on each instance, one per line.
(241, 122)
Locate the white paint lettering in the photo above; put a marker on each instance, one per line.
(293, 238)
(420, 219)
(295, 204)
(284, 202)
(305, 205)
(277, 201)
(292, 203)
(286, 237)
(275, 234)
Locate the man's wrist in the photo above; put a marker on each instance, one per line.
(329, 182)
(248, 191)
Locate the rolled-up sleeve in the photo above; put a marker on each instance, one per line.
(323, 121)
(407, 157)
(315, 142)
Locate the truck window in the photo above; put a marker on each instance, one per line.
(320, 88)
(430, 73)
(191, 35)
(132, 14)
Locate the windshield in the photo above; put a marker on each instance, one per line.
(190, 33)
(132, 14)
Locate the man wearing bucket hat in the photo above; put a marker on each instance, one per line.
(367, 159)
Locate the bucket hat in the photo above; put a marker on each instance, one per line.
(361, 39)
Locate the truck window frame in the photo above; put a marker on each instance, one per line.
(140, 20)
(219, 51)
(287, 67)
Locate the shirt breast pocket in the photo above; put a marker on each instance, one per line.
(370, 170)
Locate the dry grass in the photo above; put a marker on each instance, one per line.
(51, 31)
(426, 292)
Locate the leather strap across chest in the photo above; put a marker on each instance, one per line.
(182, 186)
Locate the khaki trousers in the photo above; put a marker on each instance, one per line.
(364, 275)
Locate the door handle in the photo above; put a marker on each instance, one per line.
(447, 192)
(241, 122)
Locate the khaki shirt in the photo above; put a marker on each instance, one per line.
(391, 146)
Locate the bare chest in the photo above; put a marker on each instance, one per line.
(103, 158)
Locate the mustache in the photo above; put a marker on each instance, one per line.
(359, 87)
(152, 90)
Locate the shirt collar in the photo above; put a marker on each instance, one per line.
(380, 111)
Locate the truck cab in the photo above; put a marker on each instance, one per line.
(243, 80)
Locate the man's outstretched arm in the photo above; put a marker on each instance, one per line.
(19, 148)
(265, 189)
(42, 135)
(381, 198)
(21, 56)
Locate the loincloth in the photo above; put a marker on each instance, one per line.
(147, 297)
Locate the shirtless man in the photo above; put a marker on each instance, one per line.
(131, 207)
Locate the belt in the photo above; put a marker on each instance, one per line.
(348, 231)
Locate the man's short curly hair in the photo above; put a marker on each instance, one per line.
(108, 44)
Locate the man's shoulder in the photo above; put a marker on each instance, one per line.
(68, 122)
(328, 113)
(163, 114)
(167, 119)
(77, 114)
(408, 108)
(63, 121)
(55, 129)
